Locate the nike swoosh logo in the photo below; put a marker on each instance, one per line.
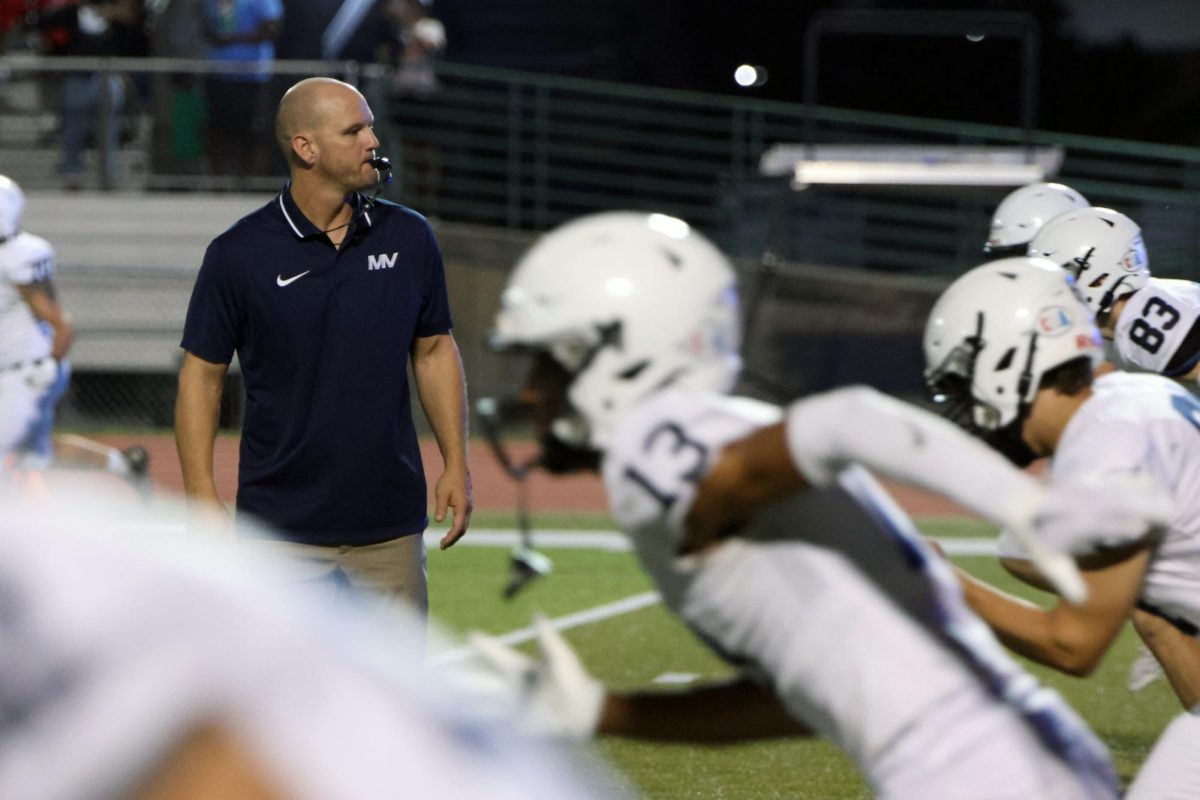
(280, 281)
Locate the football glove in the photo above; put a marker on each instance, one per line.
(556, 696)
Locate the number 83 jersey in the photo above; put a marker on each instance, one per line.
(1154, 331)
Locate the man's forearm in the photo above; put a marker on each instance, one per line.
(441, 387)
(196, 414)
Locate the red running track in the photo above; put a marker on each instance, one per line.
(494, 490)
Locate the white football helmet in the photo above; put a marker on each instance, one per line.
(12, 206)
(629, 304)
(1024, 211)
(996, 331)
(1102, 248)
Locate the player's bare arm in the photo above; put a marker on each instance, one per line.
(827, 433)
(1025, 571)
(747, 475)
(718, 714)
(1178, 653)
(1068, 637)
(441, 387)
(559, 697)
(44, 304)
(196, 414)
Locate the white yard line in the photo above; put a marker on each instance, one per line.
(625, 605)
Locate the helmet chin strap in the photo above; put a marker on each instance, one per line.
(1106, 302)
(559, 457)
(1008, 440)
(1026, 379)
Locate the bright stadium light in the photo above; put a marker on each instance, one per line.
(748, 75)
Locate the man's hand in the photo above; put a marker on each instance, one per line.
(453, 491)
(557, 697)
(208, 516)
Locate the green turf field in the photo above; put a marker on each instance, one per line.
(632, 649)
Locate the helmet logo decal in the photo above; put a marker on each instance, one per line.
(1081, 263)
(1054, 321)
(1132, 260)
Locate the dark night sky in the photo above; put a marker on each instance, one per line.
(1102, 72)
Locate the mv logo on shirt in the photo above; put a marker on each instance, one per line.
(382, 261)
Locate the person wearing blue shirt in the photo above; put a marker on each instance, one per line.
(326, 296)
(239, 32)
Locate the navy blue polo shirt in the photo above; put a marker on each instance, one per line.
(329, 454)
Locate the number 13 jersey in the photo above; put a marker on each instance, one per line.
(1154, 328)
(838, 606)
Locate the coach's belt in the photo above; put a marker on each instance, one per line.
(23, 364)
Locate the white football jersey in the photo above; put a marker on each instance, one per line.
(24, 259)
(865, 660)
(1154, 324)
(1136, 423)
(113, 646)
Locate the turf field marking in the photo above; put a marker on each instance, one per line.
(598, 613)
(677, 678)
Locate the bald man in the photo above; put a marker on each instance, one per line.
(326, 294)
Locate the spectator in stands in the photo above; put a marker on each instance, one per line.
(12, 13)
(93, 100)
(419, 39)
(240, 32)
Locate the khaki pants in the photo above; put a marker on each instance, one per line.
(393, 570)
